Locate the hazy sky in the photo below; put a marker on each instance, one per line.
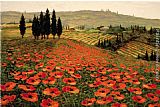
(138, 8)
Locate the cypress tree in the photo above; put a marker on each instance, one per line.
(34, 27)
(151, 31)
(152, 56)
(37, 28)
(53, 25)
(117, 40)
(146, 56)
(59, 27)
(138, 56)
(47, 23)
(144, 29)
(99, 43)
(109, 43)
(22, 26)
(104, 43)
(42, 25)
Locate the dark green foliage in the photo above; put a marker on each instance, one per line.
(47, 23)
(22, 26)
(59, 27)
(42, 25)
(152, 56)
(99, 42)
(36, 27)
(109, 43)
(104, 43)
(151, 31)
(144, 29)
(146, 56)
(53, 25)
(138, 56)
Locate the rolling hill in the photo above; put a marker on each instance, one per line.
(86, 17)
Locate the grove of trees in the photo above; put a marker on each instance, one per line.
(43, 27)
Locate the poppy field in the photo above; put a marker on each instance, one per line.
(67, 73)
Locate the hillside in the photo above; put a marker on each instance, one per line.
(86, 17)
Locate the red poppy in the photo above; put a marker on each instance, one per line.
(54, 92)
(49, 80)
(120, 86)
(157, 92)
(115, 75)
(119, 105)
(70, 89)
(102, 78)
(102, 92)
(78, 68)
(154, 105)
(20, 77)
(88, 101)
(19, 65)
(40, 65)
(78, 76)
(15, 73)
(135, 90)
(41, 75)
(138, 99)
(49, 103)
(117, 95)
(56, 74)
(109, 83)
(102, 71)
(70, 81)
(33, 81)
(70, 70)
(62, 68)
(152, 97)
(150, 86)
(4, 64)
(105, 100)
(28, 72)
(7, 99)
(83, 63)
(8, 86)
(31, 97)
(95, 84)
(48, 68)
(91, 69)
(95, 75)
(27, 87)
(51, 62)
(19, 58)
(135, 81)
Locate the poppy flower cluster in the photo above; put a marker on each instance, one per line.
(71, 73)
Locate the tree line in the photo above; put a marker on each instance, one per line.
(152, 57)
(42, 26)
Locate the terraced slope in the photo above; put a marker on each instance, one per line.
(134, 48)
(88, 38)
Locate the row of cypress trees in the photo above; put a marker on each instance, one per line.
(152, 57)
(42, 27)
